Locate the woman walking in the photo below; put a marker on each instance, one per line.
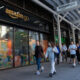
(50, 53)
(38, 55)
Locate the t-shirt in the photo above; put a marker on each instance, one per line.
(72, 49)
(50, 53)
(64, 48)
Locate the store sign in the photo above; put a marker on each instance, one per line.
(67, 6)
(16, 15)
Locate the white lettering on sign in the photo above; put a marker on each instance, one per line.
(67, 6)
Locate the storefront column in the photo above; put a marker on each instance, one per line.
(54, 30)
(79, 37)
(73, 33)
(59, 36)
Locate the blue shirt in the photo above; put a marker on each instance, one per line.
(58, 50)
(72, 49)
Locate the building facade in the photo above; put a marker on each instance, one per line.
(22, 23)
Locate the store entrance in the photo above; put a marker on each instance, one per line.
(21, 47)
(17, 46)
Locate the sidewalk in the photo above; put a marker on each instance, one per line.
(64, 72)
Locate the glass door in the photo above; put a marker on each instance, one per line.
(33, 37)
(44, 43)
(21, 47)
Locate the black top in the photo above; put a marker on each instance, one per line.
(38, 51)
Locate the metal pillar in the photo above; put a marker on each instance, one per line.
(54, 30)
(59, 36)
(53, 12)
(73, 33)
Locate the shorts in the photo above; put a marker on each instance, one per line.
(73, 55)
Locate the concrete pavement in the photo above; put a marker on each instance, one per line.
(64, 72)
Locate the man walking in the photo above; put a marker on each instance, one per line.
(72, 49)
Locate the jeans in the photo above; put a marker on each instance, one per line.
(38, 62)
(57, 57)
(64, 56)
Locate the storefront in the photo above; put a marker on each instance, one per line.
(19, 31)
(64, 34)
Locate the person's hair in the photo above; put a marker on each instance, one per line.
(53, 44)
(49, 44)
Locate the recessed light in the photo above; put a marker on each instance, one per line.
(36, 22)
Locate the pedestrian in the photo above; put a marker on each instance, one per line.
(50, 53)
(58, 54)
(64, 52)
(78, 53)
(72, 49)
(39, 56)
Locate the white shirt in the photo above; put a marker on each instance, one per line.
(64, 48)
(50, 53)
(72, 49)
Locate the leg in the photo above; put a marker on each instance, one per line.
(74, 60)
(38, 61)
(57, 58)
(70, 60)
(52, 66)
(66, 56)
(63, 57)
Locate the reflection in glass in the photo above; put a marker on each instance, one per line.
(21, 47)
(6, 40)
(33, 37)
(44, 43)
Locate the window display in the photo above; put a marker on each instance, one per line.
(21, 47)
(6, 42)
(33, 37)
(44, 43)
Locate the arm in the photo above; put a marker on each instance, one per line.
(55, 50)
(47, 53)
(75, 48)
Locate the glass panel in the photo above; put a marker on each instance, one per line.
(6, 40)
(33, 37)
(44, 42)
(21, 47)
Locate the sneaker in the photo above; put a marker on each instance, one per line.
(37, 73)
(50, 74)
(54, 73)
(42, 69)
(74, 65)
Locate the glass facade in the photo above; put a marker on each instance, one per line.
(44, 43)
(6, 50)
(21, 47)
(33, 37)
(24, 46)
